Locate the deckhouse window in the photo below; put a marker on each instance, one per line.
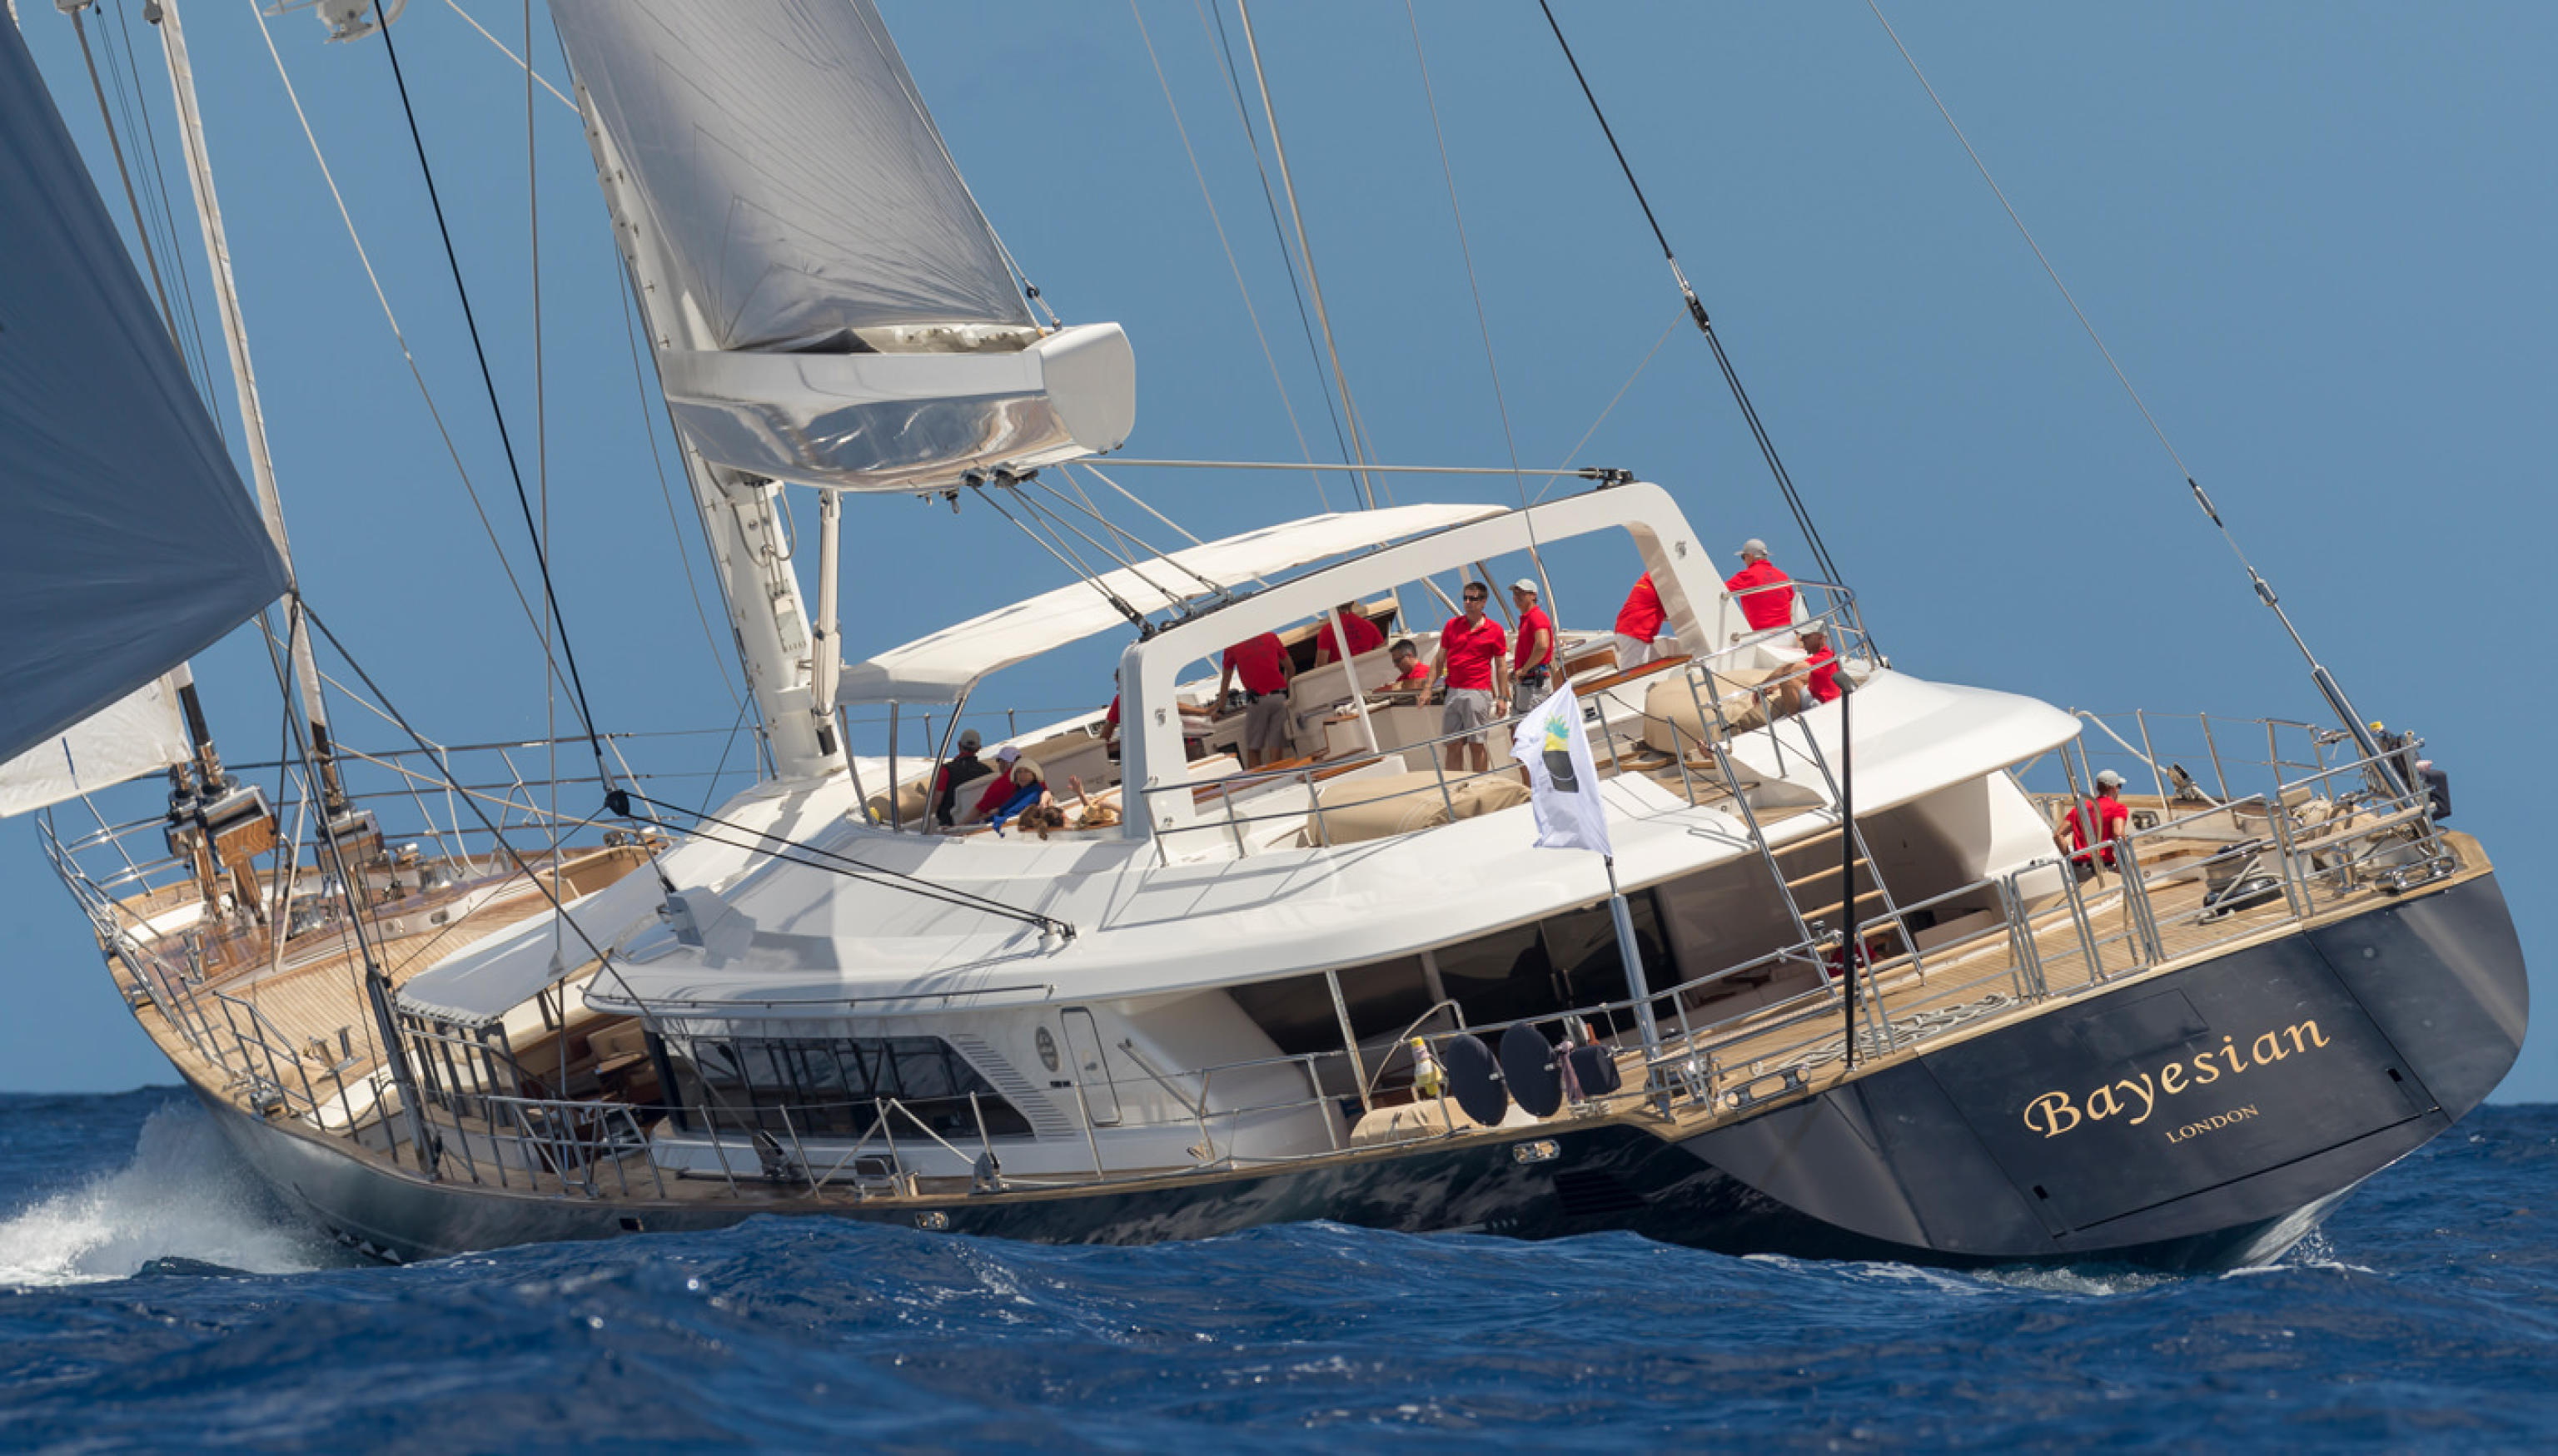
(835, 1087)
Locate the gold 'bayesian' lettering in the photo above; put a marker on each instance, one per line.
(2135, 1098)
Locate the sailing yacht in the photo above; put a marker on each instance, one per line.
(1833, 988)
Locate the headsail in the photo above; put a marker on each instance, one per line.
(127, 542)
(136, 734)
(773, 168)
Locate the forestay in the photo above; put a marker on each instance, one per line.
(127, 542)
(943, 667)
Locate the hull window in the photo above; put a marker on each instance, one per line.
(835, 1087)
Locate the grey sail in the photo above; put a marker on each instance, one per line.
(127, 542)
(830, 304)
(787, 164)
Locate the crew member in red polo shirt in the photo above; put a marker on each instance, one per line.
(1532, 667)
(1473, 655)
(1766, 594)
(2109, 816)
(1639, 621)
(1409, 670)
(1263, 665)
(1818, 673)
(1364, 635)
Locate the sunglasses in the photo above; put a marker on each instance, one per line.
(1474, 597)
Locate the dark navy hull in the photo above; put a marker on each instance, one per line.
(2202, 1118)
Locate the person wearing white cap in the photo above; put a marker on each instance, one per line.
(1001, 789)
(964, 767)
(1766, 594)
(1532, 664)
(2108, 813)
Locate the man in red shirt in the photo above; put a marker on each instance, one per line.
(1409, 670)
(1263, 665)
(1765, 595)
(1639, 621)
(1532, 667)
(1817, 678)
(1473, 655)
(1364, 635)
(2109, 816)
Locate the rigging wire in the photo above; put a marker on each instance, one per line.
(2327, 682)
(1575, 452)
(398, 336)
(666, 492)
(1278, 231)
(510, 54)
(165, 215)
(843, 864)
(1231, 265)
(1482, 320)
(141, 232)
(1696, 311)
(1082, 573)
(453, 260)
(1306, 251)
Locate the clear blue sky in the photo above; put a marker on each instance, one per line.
(2315, 236)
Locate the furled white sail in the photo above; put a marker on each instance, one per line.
(138, 733)
(127, 542)
(829, 303)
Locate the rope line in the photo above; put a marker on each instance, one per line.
(1705, 325)
(1482, 320)
(398, 336)
(2326, 681)
(1614, 400)
(1217, 223)
(1278, 230)
(843, 864)
(489, 380)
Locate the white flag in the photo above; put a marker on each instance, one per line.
(1563, 784)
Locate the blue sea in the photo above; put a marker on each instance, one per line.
(152, 1297)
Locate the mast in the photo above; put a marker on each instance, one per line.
(208, 214)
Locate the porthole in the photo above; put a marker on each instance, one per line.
(1047, 1045)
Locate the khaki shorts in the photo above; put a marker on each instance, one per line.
(1468, 710)
(1265, 724)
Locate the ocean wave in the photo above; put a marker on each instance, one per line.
(180, 1196)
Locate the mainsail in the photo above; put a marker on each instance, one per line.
(127, 542)
(806, 243)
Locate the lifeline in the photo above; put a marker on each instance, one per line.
(2053, 1113)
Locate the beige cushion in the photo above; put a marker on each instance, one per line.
(1670, 701)
(911, 800)
(1379, 806)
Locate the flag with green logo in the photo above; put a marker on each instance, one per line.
(1563, 783)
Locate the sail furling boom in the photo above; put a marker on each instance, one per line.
(127, 542)
(836, 310)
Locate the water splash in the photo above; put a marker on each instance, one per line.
(181, 1197)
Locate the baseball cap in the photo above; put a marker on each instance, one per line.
(1006, 754)
(1813, 628)
(969, 743)
(1524, 584)
(2108, 779)
(1754, 547)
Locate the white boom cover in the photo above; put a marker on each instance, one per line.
(140, 734)
(943, 666)
(788, 175)
(127, 542)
